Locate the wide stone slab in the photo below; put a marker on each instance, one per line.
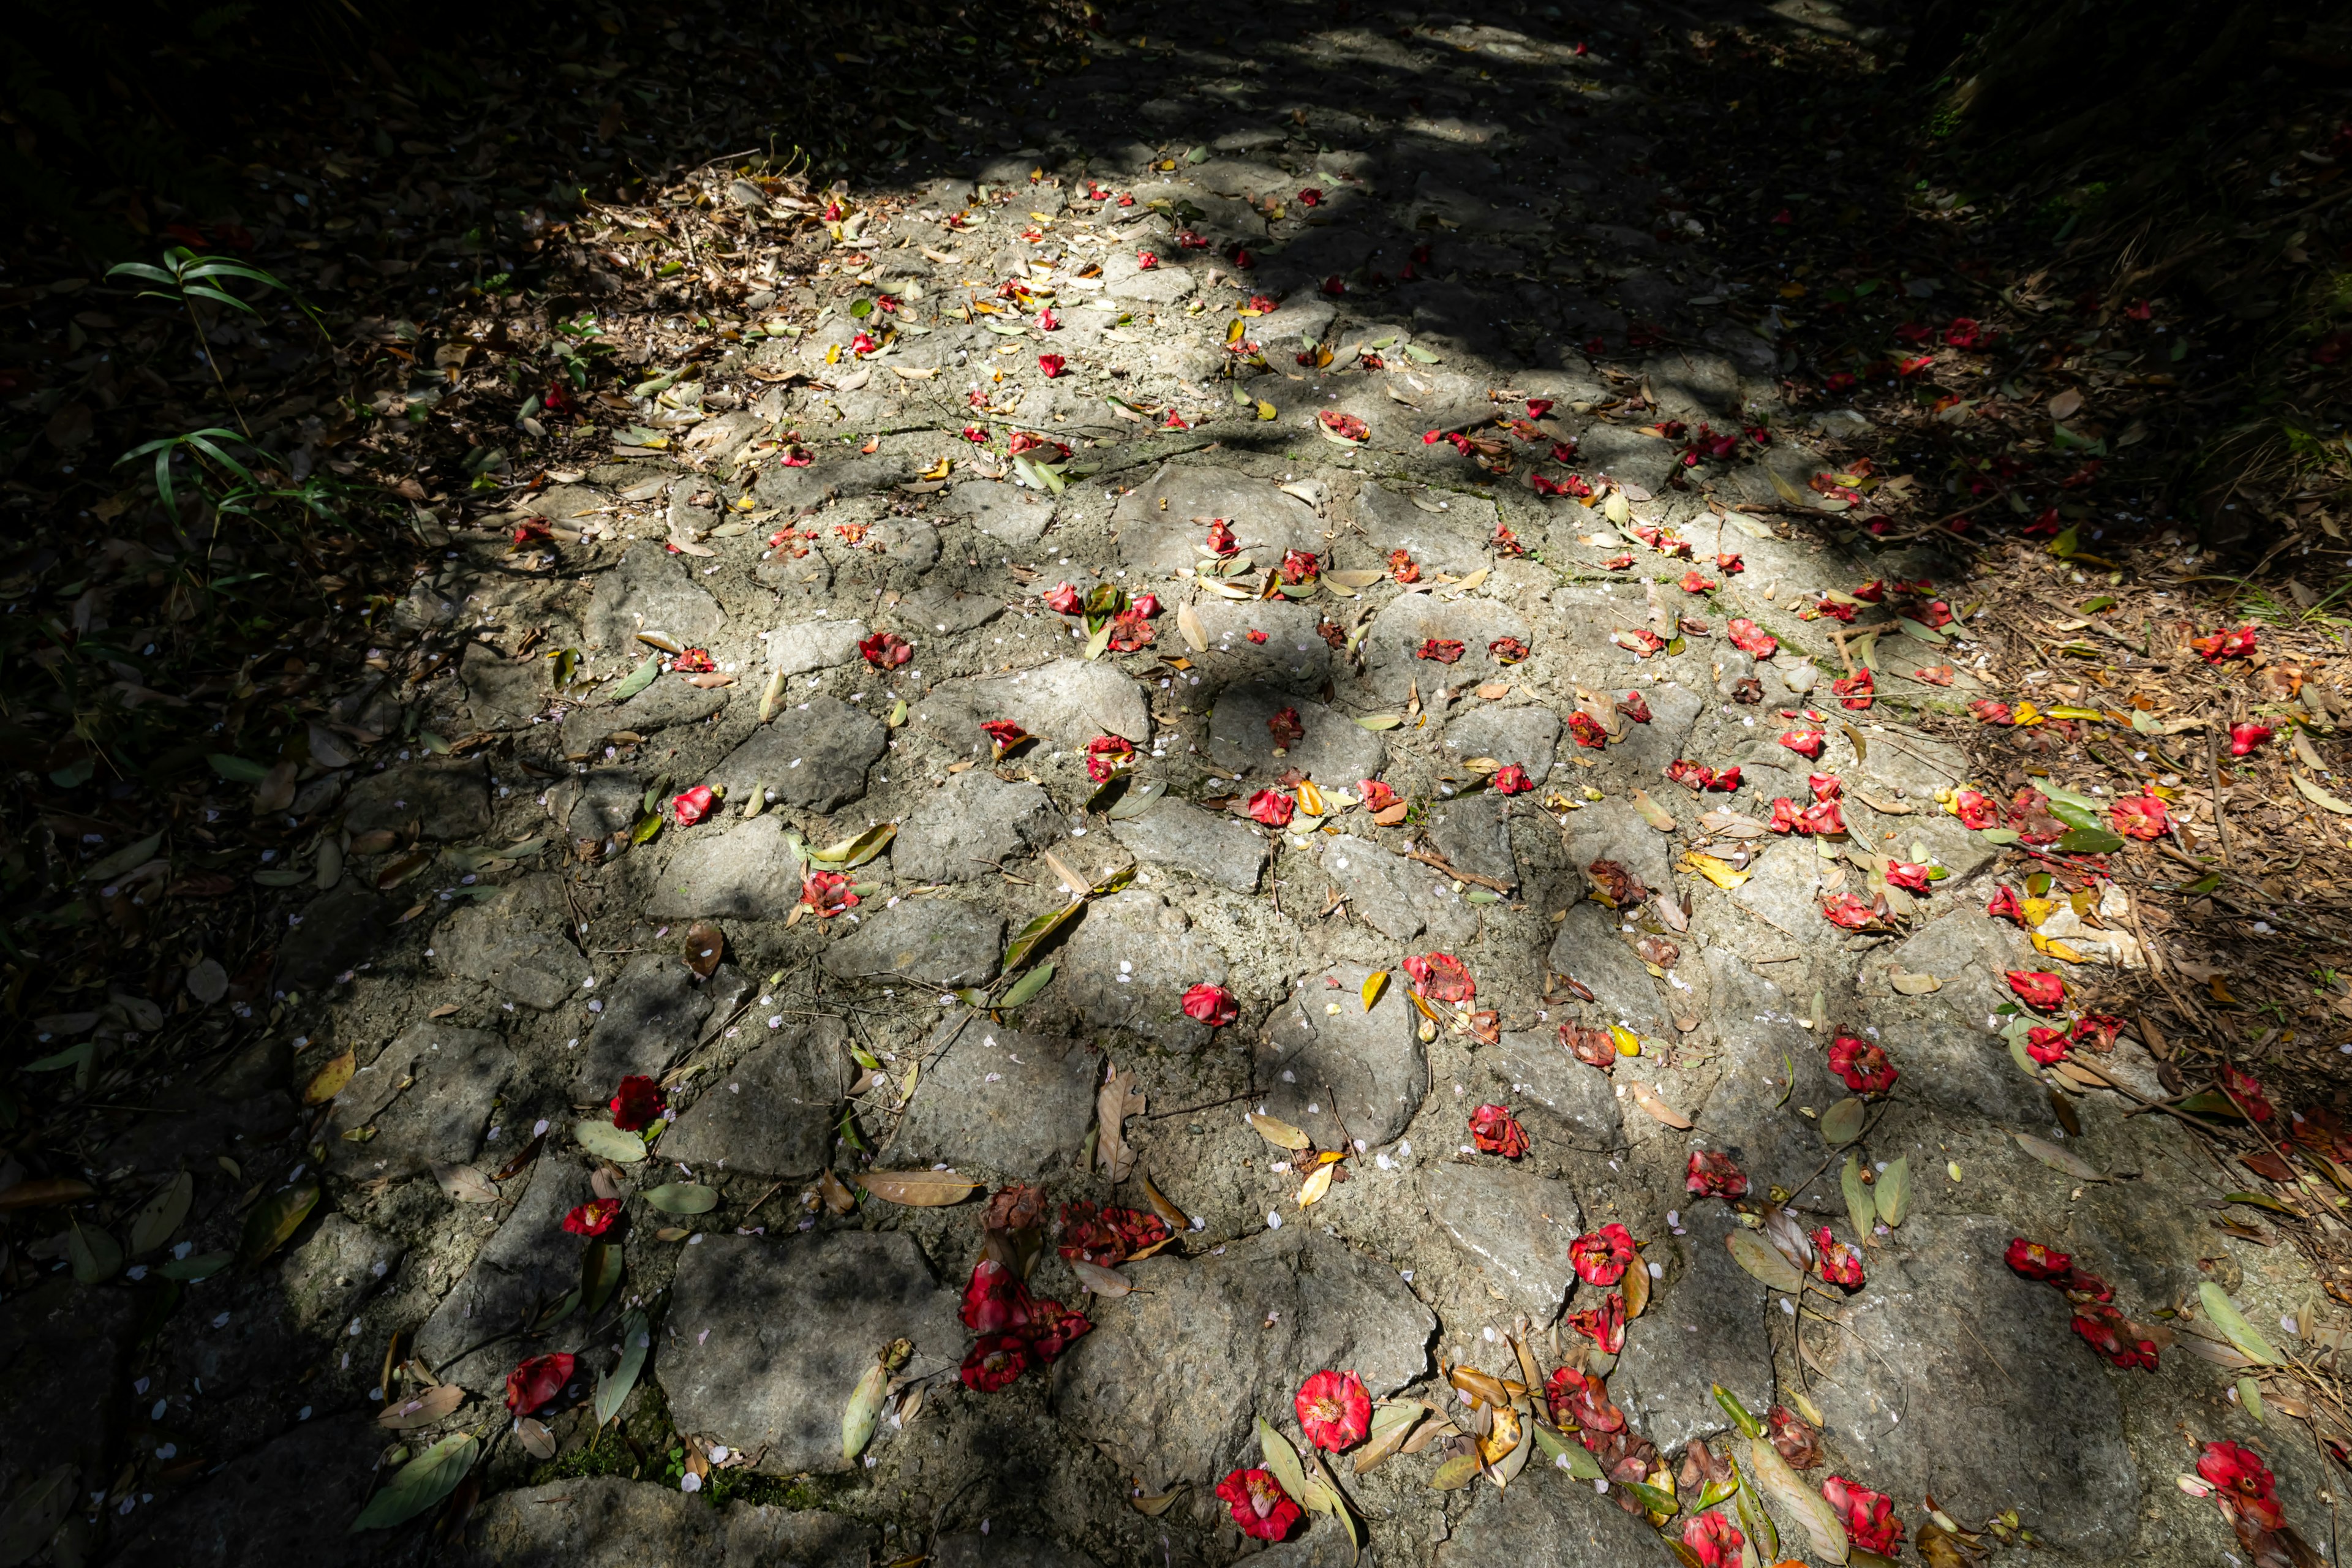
(1474, 834)
(668, 703)
(428, 1095)
(1130, 962)
(814, 755)
(1217, 847)
(1550, 1521)
(1003, 1549)
(798, 647)
(1705, 1325)
(767, 1337)
(1334, 751)
(1591, 950)
(965, 828)
(650, 591)
(610, 1521)
(1004, 512)
(999, 1099)
(1293, 657)
(727, 868)
(1524, 736)
(526, 1267)
(1396, 896)
(653, 1012)
(937, 942)
(515, 941)
(1068, 702)
(1173, 1374)
(1392, 664)
(1445, 532)
(1335, 1070)
(1161, 521)
(1940, 1040)
(444, 801)
(773, 1111)
(1612, 830)
(1516, 1224)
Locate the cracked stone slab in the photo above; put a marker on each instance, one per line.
(1156, 539)
(942, 609)
(976, 820)
(1294, 655)
(526, 1267)
(1516, 1224)
(1550, 1521)
(610, 1521)
(653, 1013)
(328, 1276)
(668, 703)
(1612, 830)
(1335, 749)
(1001, 1099)
(1474, 834)
(724, 867)
(289, 1501)
(766, 1333)
(1940, 1040)
(1068, 702)
(428, 1095)
(503, 694)
(516, 943)
(1173, 1375)
(938, 942)
(1004, 512)
(1397, 897)
(1130, 962)
(1440, 532)
(650, 591)
(1527, 736)
(813, 755)
(1217, 847)
(795, 647)
(1390, 649)
(1541, 1071)
(773, 1111)
(447, 800)
(1327, 1061)
(338, 929)
(1592, 950)
(1705, 1325)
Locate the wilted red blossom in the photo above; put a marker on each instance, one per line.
(1019, 1206)
(2045, 1044)
(1513, 779)
(1506, 650)
(1272, 807)
(994, 1362)
(2244, 738)
(1221, 537)
(636, 1103)
(2242, 1087)
(1129, 630)
(1635, 706)
(1869, 1516)
(1835, 609)
(1751, 639)
(1693, 583)
(1862, 1065)
(2224, 644)
(537, 1381)
(1988, 711)
(1441, 977)
(1260, 1506)
(2244, 1484)
(1300, 566)
(1714, 1175)
(1107, 755)
(1442, 650)
(1587, 730)
(1855, 691)
(1911, 877)
(693, 806)
(2004, 906)
(2036, 1261)
(1002, 735)
(1107, 1236)
(827, 893)
(1402, 567)
(1378, 796)
(594, 1217)
(1823, 817)
(1255, 636)
(2037, 989)
(1835, 1261)
(1806, 744)
(1693, 776)
(1496, 1132)
(1211, 1004)
(1974, 810)
(1052, 365)
(1794, 1437)
(2138, 817)
(2111, 1334)
(1593, 1047)
(1145, 261)
(884, 650)
(1825, 786)
(1285, 728)
(2097, 1031)
(1064, 600)
(1639, 641)
(1713, 1540)
(1335, 1410)
(1602, 1257)
(1605, 1325)
(1848, 911)
(996, 1300)
(1617, 562)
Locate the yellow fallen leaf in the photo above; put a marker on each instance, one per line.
(2026, 714)
(1310, 799)
(938, 470)
(2057, 950)
(1268, 411)
(2038, 910)
(1628, 1042)
(2076, 713)
(1317, 1184)
(1375, 983)
(330, 1080)
(1721, 872)
(1281, 1134)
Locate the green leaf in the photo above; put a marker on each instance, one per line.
(1761, 1259)
(237, 770)
(1655, 1499)
(1895, 1190)
(1281, 1458)
(613, 1387)
(1141, 797)
(269, 1222)
(2249, 1394)
(600, 1274)
(2091, 841)
(122, 860)
(1737, 1411)
(2212, 1102)
(1414, 351)
(200, 1266)
(1755, 1520)
(637, 680)
(683, 1197)
(1028, 985)
(1026, 941)
(2233, 1323)
(421, 1483)
(1861, 1203)
(1456, 1473)
(1784, 1487)
(160, 1215)
(608, 1141)
(1379, 721)
(647, 829)
(96, 1256)
(1568, 1455)
(1997, 835)
(1842, 1123)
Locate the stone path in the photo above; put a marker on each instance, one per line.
(1482, 210)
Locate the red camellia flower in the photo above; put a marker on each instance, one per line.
(827, 893)
(2004, 906)
(1806, 744)
(1107, 1236)
(1581, 1399)
(1106, 756)
(1694, 584)
(1602, 1257)
(692, 806)
(1441, 977)
(1052, 365)
(2244, 738)
(1863, 1064)
(1587, 730)
(1694, 776)
(1752, 639)
(1635, 706)
(1513, 780)
(861, 346)
(1256, 636)
(2097, 1031)
(1988, 711)
(1835, 1261)
(1260, 1506)
(1129, 630)
(1869, 1516)
(1506, 650)
(2111, 1334)
(1300, 566)
(2035, 1261)
(994, 1362)
(1145, 604)
(1618, 563)
(694, 661)
(1848, 911)
(996, 1302)
(1211, 1004)
(2244, 1484)
(1714, 1540)
(1335, 1410)
(1002, 735)
(1064, 600)
(1220, 538)
(537, 1381)
(1402, 567)
(1272, 807)
(636, 1103)
(1714, 1175)
(2038, 989)
(2139, 817)
(592, 1218)
(1442, 650)
(1145, 261)
(2224, 644)
(2245, 1091)
(2045, 1044)
(1855, 691)
(1825, 786)
(1910, 878)
(1975, 810)
(1378, 796)
(1496, 1132)
(884, 650)
(1605, 1325)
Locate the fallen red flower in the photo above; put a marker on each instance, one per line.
(862, 344)
(1825, 786)
(1107, 1236)
(1402, 567)
(1335, 1410)
(1285, 728)
(1346, 427)
(1639, 641)
(636, 1103)
(994, 1362)
(1145, 261)
(1855, 691)
(1581, 1399)
(2242, 1088)
(1862, 1065)
(1835, 1261)
(1694, 776)
(2097, 1031)
(2038, 989)
(1714, 1540)
(1107, 755)
(1729, 562)
(2244, 1484)
(1129, 630)
(1694, 584)
(1378, 796)
(1806, 744)
(594, 1217)
(827, 893)
(1496, 1132)
(996, 1300)
(2224, 644)
(2139, 817)
(1211, 1004)
(1751, 639)
(1272, 807)
(1002, 735)
(1259, 1505)
(2244, 738)
(1635, 706)
(1255, 636)
(1506, 650)
(2111, 1334)
(1909, 877)
(1794, 1438)
(1849, 912)
(1512, 778)
(1602, 1257)
(1605, 1325)
(1835, 609)
(1441, 650)
(1618, 563)
(884, 650)
(2004, 906)
(693, 806)
(2035, 1261)
(2044, 1044)
(1441, 977)
(1869, 1516)
(1064, 600)
(537, 1381)
(1988, 711)
(1220, 538)
(1052, 365)
(1974, 810)
(1714, 1175)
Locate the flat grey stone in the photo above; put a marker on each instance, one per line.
(942, 609)
(932, 941)
(1452, 540)
(1334, 751)
(515, 941)
(1527, 736)
(1068, 702)
(1294, 656)
(340, 927)
(1001, 1099)
(1592, 950)
(503, 694)
(1641, 758)
(291, 1500)
(1781, 890)
(1217, 847)
(828, 478)
(447, 800)
(526, 1267)
(1939, 1041)
(1397, 897)
(1474, 834)
(650, 591)
(1130, 962)
(328, 1276)
(1003, 511)
(1390, 648)
(1756, 1029)
(773, 1111)
(1705, 1325)
(1550, 1521)
(1324, 1545)
(1516, 1224)
(813, 755)
(765, 1334)
(1173, 1375)
(1161, 285)
(670, 701)
(796, 648)
(725, 867)
(1156, 539)
(1325, 1070)
(610, 1521)
(1952, 1340)
(1612, 830)
(960, 831)
(438, 1119)
(606, 801)
(1542, 1072)
(653, 1014)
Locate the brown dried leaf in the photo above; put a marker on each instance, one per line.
(706, 945)
(423, 1409)
(1118, 1100)
(918, 1189)
(1647, 1099)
